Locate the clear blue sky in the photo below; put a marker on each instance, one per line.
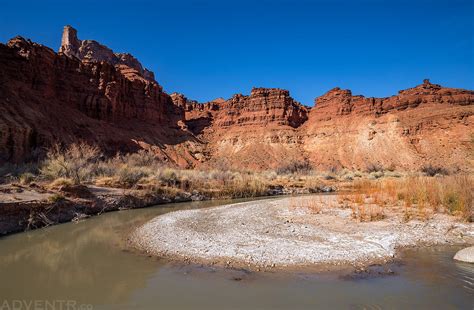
(209, 49)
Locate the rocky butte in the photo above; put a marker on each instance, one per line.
(90, 93)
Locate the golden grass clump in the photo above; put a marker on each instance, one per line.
(312, 204)
(420, 196)
(60, 182)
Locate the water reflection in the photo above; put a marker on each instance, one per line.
(437, 267)
(84, 261)
(78, 261)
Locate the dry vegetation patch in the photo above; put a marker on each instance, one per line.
(372, 191)
(418, 197)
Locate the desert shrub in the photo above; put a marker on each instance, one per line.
(221, 164)
(142, 158)
(108, 168)
(166, 191)
(26, 178)
(364, 185)
(169, 177)
(431, 170)
(107, 181)
(391, 167)
(270, 175)
(130, 176)
(194, 179)
(452, 201)
(374, 167)
(56, 198)
(393, 174)
(12, 172)
(123, 165)
(300, 167)
(223, 178)
(329, 176)
(314, 183)
(77, 162)
(376, 174)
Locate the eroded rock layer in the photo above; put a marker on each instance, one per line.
(93, 51)
(427, 124)
(48, 97)
(86, 92)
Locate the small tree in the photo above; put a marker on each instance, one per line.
(77, 162)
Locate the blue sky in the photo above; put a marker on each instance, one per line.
(209, 49)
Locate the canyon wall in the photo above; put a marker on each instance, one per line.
(427, 124)
(423, 125)
(87, 92)
(258, 131)
(48, 97)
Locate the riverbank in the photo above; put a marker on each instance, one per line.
(30, 204)
(292, 233)
(24, 208)
(77, 181)
(27, 207)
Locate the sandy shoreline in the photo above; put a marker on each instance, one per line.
(286, 233)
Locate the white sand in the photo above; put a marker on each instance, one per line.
(275, 232)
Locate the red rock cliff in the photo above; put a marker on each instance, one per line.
(93, 51)
(88, 92)
(264, 106)
(48, 97)
(426, 124)
(341, 101)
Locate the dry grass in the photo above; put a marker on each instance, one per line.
(26, 178)
(82, 163)
(56, 198)
(312, 204)
(421, 197)
(60, 182)
(417, 196)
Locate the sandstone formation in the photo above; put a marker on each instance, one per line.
(48, 97)
(427, 124)
(424, 125)
(87, 92)
(258, 131)
(93, 51)
(341, 102)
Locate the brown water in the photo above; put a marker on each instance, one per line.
(87, 264)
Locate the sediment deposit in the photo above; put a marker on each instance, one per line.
(288, 233)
